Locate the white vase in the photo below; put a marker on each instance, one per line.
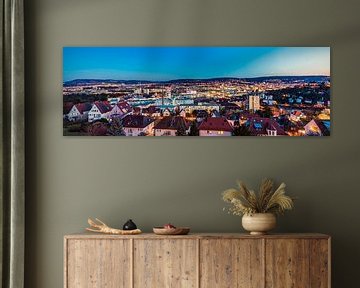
(259, 223)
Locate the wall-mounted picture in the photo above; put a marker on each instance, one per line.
(196, 91)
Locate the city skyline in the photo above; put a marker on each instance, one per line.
(169, 63)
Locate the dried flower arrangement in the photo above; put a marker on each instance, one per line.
(246, 202)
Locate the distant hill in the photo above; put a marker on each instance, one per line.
(80, 82)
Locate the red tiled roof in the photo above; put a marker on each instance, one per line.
(67, 107)
(124, 106)
(103, 106)
(215, 124)
(136, 121)
(83, 107)
(172, 123)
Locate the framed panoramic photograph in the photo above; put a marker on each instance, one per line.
(196, 91)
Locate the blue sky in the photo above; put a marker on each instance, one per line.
(166, 63)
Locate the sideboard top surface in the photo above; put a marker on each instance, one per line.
(87, 235)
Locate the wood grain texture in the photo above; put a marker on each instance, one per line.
(287, 263)
(166, 263)
(197, 260)
(319, 263)
(88, 235)
(98, 264)
(231, 263)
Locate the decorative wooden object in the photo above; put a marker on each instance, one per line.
(100, 227)
(171, 231)
(197, 260)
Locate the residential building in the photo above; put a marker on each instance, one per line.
(182, 113)
(113, 101)
(296, 116)
(166, 112)
(215, 114)
(99, 110)
(169, 126)
(201, 115)
(120, 110)
(215, 127)
(151, 111)
(137, 125)
(79, 112)
(254, 103)
(316, 128)
(264, 127)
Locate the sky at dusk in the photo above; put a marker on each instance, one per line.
(167, 63)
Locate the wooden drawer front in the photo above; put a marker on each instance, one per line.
(231, 263)
(297, 263)
(287, 263)
(98, 263)
(165, 263)
(320, 263)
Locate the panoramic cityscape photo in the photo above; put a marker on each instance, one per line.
(196, 91)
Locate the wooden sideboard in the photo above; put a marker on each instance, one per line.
(197, 260)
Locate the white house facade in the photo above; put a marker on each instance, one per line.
(120, 110)
(214, 133)
(75, 115)
(79, 112)
(99, 111)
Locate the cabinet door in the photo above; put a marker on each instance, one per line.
(287, 263)
(165, 263)
(98, 263)
(231, 263)
(320, 263)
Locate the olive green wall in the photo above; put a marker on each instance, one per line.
(179, 180)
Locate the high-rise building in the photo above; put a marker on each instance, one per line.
(168, 92)
(254, 102)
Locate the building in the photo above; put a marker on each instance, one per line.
(138, 91)
(113, 101)
(230, 107)
(215, 127)
(189, 108)
(264, 127)
(99, 110)
(137, 125)
(166, 112)
(215, 114)
(316, 128)
(233, 119)
(296, 116)
(151, 111)
(201, 115)
(120, 110)
(66, 108)
(254, 103)
(182, 113)
(79, 112)
(169, 126)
